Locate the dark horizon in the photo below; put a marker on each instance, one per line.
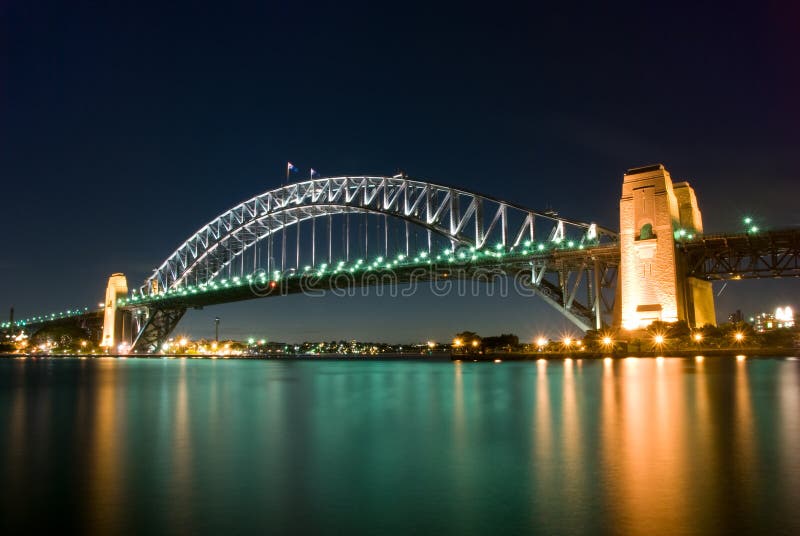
(125, 129)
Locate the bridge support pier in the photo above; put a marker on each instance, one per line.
(116, 322)
(654, 214)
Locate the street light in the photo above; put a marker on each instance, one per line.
(607, 341)
(739, 336)
(697, 337)
(659, 339)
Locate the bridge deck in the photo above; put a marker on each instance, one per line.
(744, 256)
(512, 265)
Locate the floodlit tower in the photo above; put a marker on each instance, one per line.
(112, 322)
(654, 214)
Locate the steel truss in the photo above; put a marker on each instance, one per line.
(156, 324)
(459, 217)
(744, 256)
(563, 277)
(90, 321)
(462, 216)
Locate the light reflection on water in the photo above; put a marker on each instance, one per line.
(633, 446)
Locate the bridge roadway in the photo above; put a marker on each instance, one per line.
(90, 320)
(522, 269)
(767, 254)
(382, 273)
(770, 254)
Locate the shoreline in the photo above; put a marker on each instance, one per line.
(707, 352)
(750, 353)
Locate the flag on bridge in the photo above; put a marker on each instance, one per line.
(313, 173)
(290, 168)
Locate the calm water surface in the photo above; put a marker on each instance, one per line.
(634, 446)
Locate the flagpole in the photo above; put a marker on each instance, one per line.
(283, 222)
(313, 223)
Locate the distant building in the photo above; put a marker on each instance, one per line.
(736, 317)
(783, 317)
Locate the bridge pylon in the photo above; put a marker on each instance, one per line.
(655, 214)
(116, 322)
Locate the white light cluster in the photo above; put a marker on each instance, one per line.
(785, 315)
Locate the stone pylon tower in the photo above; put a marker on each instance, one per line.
(653, 213)
(113, 323)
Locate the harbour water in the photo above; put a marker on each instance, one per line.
(625, 446)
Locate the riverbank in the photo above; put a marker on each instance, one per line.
(443, 356)
(435, 356)
(705, 352)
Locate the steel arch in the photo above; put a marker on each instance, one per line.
(433, 206)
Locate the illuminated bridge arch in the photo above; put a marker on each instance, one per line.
(245, 238)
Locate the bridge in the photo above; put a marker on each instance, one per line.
(326, 234)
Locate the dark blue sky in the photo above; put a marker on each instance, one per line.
(126, 126)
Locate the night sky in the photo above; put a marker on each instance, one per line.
(124, 127)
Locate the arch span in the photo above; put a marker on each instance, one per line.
(460, 216)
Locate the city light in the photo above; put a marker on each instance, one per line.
(784, 316)
(567, 341)
(697, 337)
(658, 339)
(607, 341)
(739, 336)
(541, 342)
(457, 342)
